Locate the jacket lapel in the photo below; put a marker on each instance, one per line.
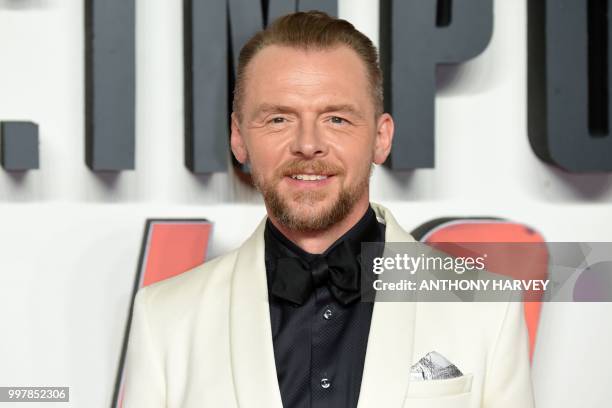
(252, 351)
(389, 352)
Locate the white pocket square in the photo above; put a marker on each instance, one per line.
(433, 366)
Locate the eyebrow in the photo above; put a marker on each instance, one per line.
(267, 108)
(346, 108)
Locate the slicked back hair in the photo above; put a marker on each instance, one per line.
(317, 31)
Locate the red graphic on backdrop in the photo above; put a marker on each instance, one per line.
(169, 247)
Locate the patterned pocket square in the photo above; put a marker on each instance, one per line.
(434, 367)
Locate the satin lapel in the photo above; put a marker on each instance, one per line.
(252, 351)
(390, 341)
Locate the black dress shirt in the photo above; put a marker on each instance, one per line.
(320, 345)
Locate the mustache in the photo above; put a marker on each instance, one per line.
(309, 166)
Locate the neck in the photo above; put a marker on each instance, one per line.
(316, 242)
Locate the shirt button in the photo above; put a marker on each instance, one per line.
(327, 314)
(325, 383)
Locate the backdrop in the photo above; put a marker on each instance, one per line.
(70, 238)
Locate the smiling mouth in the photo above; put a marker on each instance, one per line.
(309, 177)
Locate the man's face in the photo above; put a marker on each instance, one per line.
(309, 131)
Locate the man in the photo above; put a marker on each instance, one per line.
(278, 322)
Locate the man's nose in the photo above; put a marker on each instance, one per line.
(309, 142)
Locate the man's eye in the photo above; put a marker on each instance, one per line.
(277, 120)
(337, 120)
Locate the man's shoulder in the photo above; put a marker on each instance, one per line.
(183, 291)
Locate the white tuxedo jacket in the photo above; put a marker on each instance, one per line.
(203, 339)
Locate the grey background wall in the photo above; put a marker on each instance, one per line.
(69, 238)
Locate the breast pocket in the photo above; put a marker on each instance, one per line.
(448, 393)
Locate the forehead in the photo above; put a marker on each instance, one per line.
(281, 74)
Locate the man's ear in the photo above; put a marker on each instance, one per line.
(384, 138)
(237, 141)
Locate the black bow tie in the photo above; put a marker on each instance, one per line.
(340, 270)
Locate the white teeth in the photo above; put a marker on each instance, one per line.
(308, 177)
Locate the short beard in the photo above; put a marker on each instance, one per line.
(286, 214)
